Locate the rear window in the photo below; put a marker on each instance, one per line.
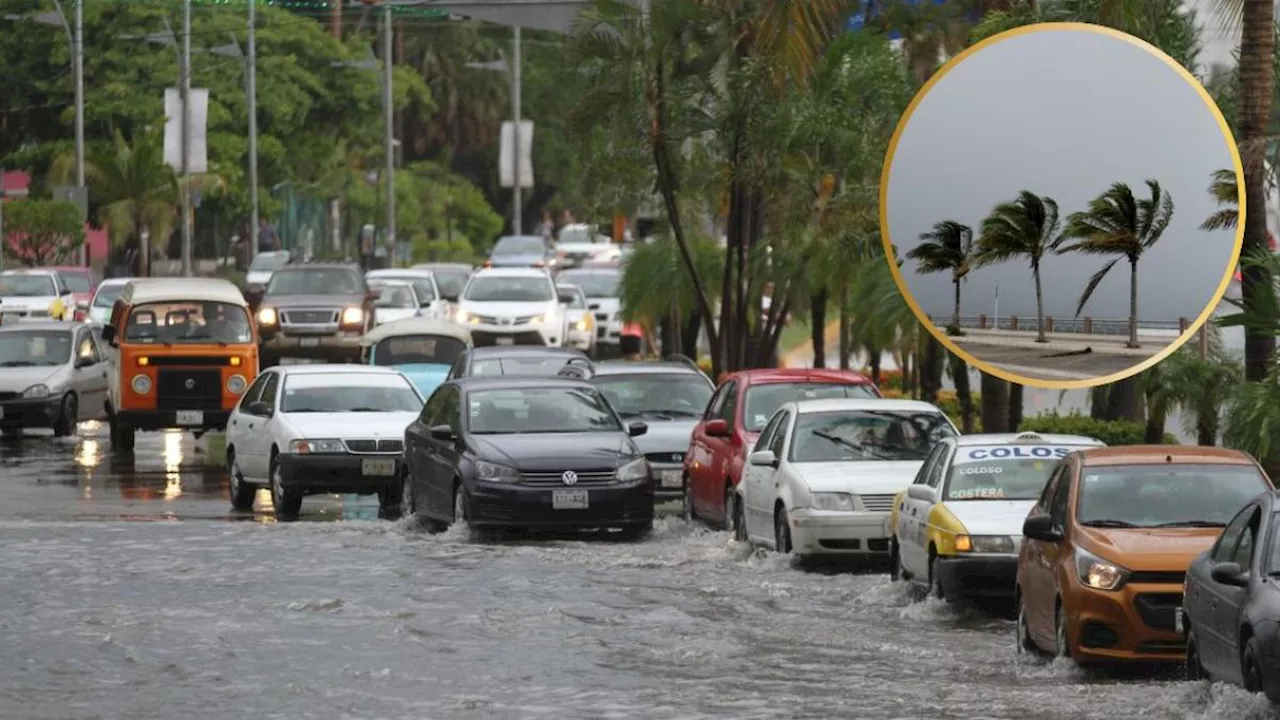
(1166, 495)
(765, 399)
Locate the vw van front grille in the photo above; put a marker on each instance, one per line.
(188, 389)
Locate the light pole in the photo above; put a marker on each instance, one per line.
(517, 84)
(251, 89)
(184, 182)
(388, 111)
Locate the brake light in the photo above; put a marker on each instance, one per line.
(488, 263)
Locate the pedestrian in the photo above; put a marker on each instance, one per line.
(547, 228)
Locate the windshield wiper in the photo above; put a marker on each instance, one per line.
(1108, 523)
(679, 413)
(851, 445)
(367, 409)
(1190, 523)
(904, 450)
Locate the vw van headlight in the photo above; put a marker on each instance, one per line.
(268, 317)
(637, 469)
(141, 384)
(840, 502)
(36, 392)
(236, 384)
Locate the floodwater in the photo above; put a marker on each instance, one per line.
(131, 591)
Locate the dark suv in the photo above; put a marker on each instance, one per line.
(316, 311)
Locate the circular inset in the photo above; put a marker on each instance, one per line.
(1048, 194)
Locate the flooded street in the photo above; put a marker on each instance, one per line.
(129, 593)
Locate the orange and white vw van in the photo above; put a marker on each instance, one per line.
(186, 350)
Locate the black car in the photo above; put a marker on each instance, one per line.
(514, 360)
(526, 453)
(1231, 602)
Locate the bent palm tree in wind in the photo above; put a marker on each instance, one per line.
(1027, 227)
(947, 247)
(1118, 223)
(1224, 190)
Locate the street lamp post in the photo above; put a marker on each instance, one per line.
(251, 89)
(388, 111)
(184, 183)
(77, 62)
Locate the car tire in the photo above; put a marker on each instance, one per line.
(241, 492)
(739, 522)
(1023, 631)
(287, 503)
(686, 505)
(68, 417)
(1061, 648)
(408, 505)
(935, 578)
(390, 506)
(727, 523)
(782, 531)
(1251, 668)
(1195, 669)
(895, 560)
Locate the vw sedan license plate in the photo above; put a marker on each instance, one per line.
(379, 468)
(189, 417)
(569, 499)
(1177, 619)
(309, 342)
(671, 479)
(504, 341)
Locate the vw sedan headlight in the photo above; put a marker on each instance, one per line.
(352, 316)
(36, 392)
(236, 384)
(268, 317)
(1000, 544)
(141, 384)
(1097, 573)
(637, 469)
(833, 501)
(493, 472)
(307, 447)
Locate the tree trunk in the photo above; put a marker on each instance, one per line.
(1133, 303)
(1257, 47)
(873, 364)
(960, 376)
(689, 334)
(1015, 407)
(1040, 330)
(931, 369)
(1098, 402)
(955, 313)
(1122, 401)
(1207, 430)
(995, 404)
(845, 330)
(667, 333)
(818, 327)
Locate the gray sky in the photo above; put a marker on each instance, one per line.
(1063, 114)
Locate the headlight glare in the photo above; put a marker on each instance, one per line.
(1097, 573)
(833, 501)
(352, 316)
(236, 384)
(141, 384)
(307, 447)
(637, 469)
(268, 317)
(998, 544)
(36, 391)
(493, 472)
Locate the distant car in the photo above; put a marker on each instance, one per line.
(958, 527)
(514, 360)
(600, 285)
(521, 453)
(822, 475)
(52, 375)
(422, 348)
(35, 294)
(582, 324)
(431, 302)
(512, 306)
(670, 396)
(450, 277)
(315, 311)
(82, 282)
(397, 300)
(262, 268)
(514, 251)
(309, 429)
(578, 243)
(108, 292)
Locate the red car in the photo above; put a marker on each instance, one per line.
(737, 413)
(83, 283)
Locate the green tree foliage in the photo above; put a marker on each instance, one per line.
(42, 232)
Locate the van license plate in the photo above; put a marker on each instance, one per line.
(672, 479)
(569, 499)
(309, 342)
(189, 417)
(1177, 620)
(504, 341)
(378, 468)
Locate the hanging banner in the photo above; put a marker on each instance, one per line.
(506, 165)
(198, 119)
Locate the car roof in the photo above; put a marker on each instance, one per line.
(117, 281)
(30, 271)
(644, 367)
(416, 326)
(1031, 438)
(187, 289)
(40, 325)
(392, 282)
(1157, 454)
(489, 351)
(591, 270)
(805, 407)
(443, 266)
(763, 376)
(511, 272)
(332, 368)
(499, 382)
(399, 273)
(320, 266)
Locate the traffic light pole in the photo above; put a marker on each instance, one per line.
(388, 110)
(251, 82)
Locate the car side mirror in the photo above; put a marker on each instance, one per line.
(442, 432)
(259, 408)
(1229, 573)
(1040, 527)
(84, 361)
(716, 428)
(109, 334)
(924, 493)
(636, 429)
(763, 458)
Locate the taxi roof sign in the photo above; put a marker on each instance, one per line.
(1028, 436)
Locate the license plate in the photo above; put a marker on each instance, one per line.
(378, 468)
(190, 417)
(569, 499)
(672, 479)
(10, 317)
(309, 342)
(1177, 619)
(504, 341)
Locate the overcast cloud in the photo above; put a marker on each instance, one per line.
(1063, 114)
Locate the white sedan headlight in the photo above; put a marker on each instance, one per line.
(833, 501)
(307, 447)
(36, 392)
(493, 472)
(1002, 544)
(637, 469)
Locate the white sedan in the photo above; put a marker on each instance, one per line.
(311, 429)
(397, 300)
(823, 474)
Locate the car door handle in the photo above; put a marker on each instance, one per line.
(233, 422)
(250, 426)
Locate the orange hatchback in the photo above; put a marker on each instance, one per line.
(1107, 545)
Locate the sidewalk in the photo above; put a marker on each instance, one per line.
(1114, 345)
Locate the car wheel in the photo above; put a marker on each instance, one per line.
(1195, 669)
(122, 436)
(287, 503)
(241, 492)
(782, 530)
(1251, 670)
(1025, 643)
(389, 505)
(407, 505)
(895, 560)
(739, 522)
(935, 578)
(68, 418)
(727, 524)
(686, 505)
(1061, 648)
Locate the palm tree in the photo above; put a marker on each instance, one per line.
(948, 247)
(1117, 223)
(1026, 227)
(1225, 190)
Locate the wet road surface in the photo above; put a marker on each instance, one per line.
(128, 594)
(1031, 363)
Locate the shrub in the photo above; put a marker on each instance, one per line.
(950, 405)
(1111, 432)
(889, 379)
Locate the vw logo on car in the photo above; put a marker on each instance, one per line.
(569, 477)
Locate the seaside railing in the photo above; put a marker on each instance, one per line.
(1082, 325)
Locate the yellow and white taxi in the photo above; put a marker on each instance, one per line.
(957, 528)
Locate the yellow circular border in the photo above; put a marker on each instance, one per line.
(923, 317)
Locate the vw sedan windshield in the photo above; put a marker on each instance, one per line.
(34, 348)
(519, 411)
(849, 435)
(188, 322)
(1165, 495)
(408, 349)
(340, 393)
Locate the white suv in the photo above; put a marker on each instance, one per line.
(512, 306)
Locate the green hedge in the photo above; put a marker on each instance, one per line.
(1111, 432)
